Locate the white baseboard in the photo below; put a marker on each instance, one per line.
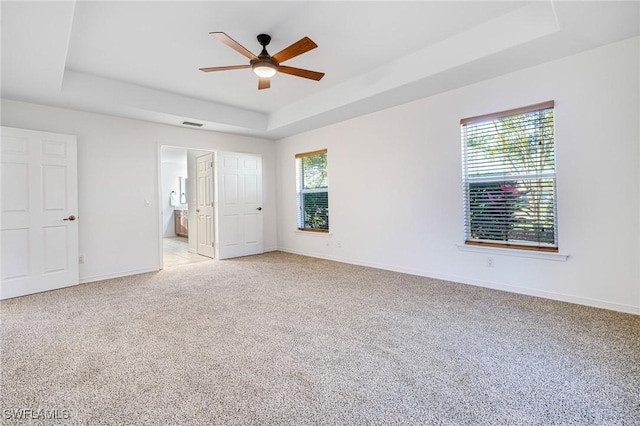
(94, 278)
(596, 303)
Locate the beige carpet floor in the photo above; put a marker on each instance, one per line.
(286, 339)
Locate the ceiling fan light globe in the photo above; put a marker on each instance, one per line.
(264, 69)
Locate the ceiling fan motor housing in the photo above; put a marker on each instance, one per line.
(264, 40)
(264, 66)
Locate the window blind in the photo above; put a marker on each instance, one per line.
(312, 189)
(509, 178)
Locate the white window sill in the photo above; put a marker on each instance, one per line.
(558, 257)
(313, 234)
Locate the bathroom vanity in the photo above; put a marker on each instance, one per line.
(181, 222)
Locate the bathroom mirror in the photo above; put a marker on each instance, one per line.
(183, 190)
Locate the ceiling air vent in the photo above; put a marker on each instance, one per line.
(189, 123)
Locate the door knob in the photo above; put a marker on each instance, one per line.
(259, 208)
(71, 218)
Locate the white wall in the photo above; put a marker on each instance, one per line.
(118, 169)
(396, 181)
(173, 167)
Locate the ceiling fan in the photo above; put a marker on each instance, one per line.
(264, 65)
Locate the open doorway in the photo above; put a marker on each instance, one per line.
(212, 208)
(179, 205)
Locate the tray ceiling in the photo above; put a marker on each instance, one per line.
(141, 59)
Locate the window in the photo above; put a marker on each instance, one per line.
(312, 191)
(509, 178)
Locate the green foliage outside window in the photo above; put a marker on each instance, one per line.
(316, 210)
(511, 178)
(314, 195)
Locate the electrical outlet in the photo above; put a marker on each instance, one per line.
(81, 258)
(339, 244)
(489, 262)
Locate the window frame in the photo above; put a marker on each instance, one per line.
(300, 191)
(539, 175)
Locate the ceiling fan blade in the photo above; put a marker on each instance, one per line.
(299, 72)
(231, 67)
(298, 48)
(264, 83)
(233, 44)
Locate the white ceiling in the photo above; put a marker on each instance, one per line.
(140, 59)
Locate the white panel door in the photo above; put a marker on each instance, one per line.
(239, 205)
(39, 208)
(204, 205)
